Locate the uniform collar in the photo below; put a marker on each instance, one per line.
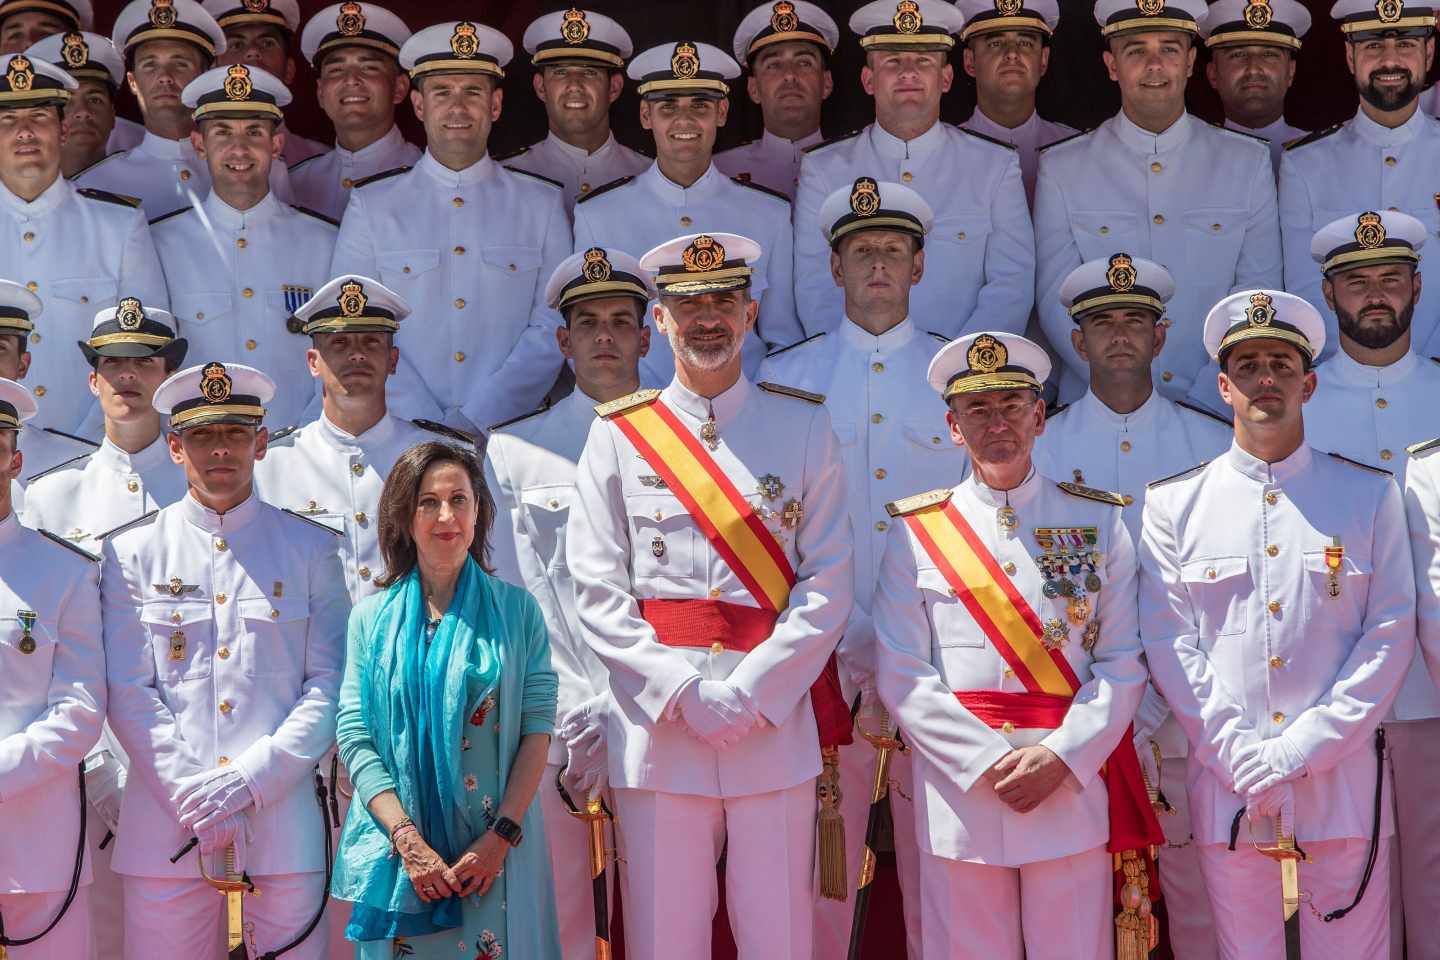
(578, 406)
(1276, 129)
(892, 147)
(1261, 472)
(771, 143)
(481, 169)
(1145, 142)
(579, 154)
(1093, 406)
(54, 195)
(854, 336)
(227, 217)
(378, 434)
(112, 458)
(1015, 498)
(173, 150)
(724, 407)
(392, 140)
(679, 196)
(981, 123)
(1383, 136)
(1347, 371)
(211, 522)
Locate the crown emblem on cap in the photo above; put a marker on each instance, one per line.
(352, 300)
(703, 254)
(74, 50)
(1258, 14)
(597, 266)
(907, 17)
(162, 13)
(986, 354)
(1369, 230)
(257, 6)
(685, 61)
(20, 75)
(1389, 11)
(1150, 8)
(350, 20)
(783, 18)
(463, 42)
(1121, 275)
(1260, 312)
(238, 85)
(574, 28)
(215, 383)
(1009, 8)
(129, 314)
(865, 197)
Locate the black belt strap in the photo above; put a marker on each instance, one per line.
(74, 880)
(325, 808)
(1374, 830)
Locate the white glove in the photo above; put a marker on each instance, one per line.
(105, 787)
(715, 713)
(583, 730)
(1275, 761)
(1269, 803)
(220, 794)
(233, 830)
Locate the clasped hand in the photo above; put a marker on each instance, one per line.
(1026, 776)
(433, 879)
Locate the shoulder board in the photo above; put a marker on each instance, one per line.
(1424, 446)
(831, 142)
(1363, 466)
(91, 166)
(1073, 136)
(166, 216)
(620, 405)
(791, 346)
(127, 525)
(68, 545)
(1435, 360)
(1090, 493)
(314, 213)
(511, 155)
(314, 523)
(535, 176)
(108, 197)
(1176, 476)
(939, 336)
(282, 433)
(1312, 137)
(795, 392)
(71, 436)
(745, 181)
(918, 502)
(445, 431)
(1239, 133)
(300, 163)
(382, 175)
(982, 136)
(514, 420)
(1196, 408)
(1056, 410)
(604, 188)
(60, 466)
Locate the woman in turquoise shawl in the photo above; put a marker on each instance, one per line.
(446, 712)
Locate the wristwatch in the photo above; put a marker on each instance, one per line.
(508, 830)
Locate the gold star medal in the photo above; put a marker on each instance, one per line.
(771, 487)
(1077, 611)
(1056, 634)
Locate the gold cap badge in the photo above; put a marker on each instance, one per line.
(865, 197)
(352, 300)
(162, 14)
(257, 6)
(1389, 11)
(129, 314)
(1150, 8)
(783, 18)
(703, 254)
(20, 75)
(1260, 312)
(1121, 275)
(574, 28)
(238, 85)
(215, 384)
(986, 354)
(350, 21)
(685, 62)
(597, 266)
(74, 50)
(907, 17)
(1009, 8)
(464, 43)
(1369, 230)
(1258, 14)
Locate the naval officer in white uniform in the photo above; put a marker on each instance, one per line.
(1253, 45)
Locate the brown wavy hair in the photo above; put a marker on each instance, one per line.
(401, 494)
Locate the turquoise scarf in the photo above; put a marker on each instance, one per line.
(415, 701)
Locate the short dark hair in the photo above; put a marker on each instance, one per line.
(401, 494)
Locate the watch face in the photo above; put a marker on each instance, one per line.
(508, 830)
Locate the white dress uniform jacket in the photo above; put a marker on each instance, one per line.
(256, 684)
(1278, 134)
(126, 135)
(1196, 198)
(770, 161)
(1028, 138)
(1246, 642)
(652, 209)
(608, 545)
(980, 253)
(930, 648)
(1357, 166)
(44, 450)
(323, 473)
(577, 171)
(235, 277)
(82, 253)
(323, 182)
(470, 251)
(1422, 509)
(298, 149)
(87, 497)
(52, 702)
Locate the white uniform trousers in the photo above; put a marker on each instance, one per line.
(672, 843)
(26, 914)
(1187, 906)
(186, 918)
(1047, 910)
(1414, 747)
(857, 778)
(107, 897)
(1245, 898)
(569, 840)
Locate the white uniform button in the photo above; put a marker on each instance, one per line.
(32, 286)
(1209, 573)
(459, 251)
(459, 356)
(459, 303)
(1127, 499)
(458, 201)
(347, 183)
(717, 648)
(1007, 727)
(247, 293)
(1155, 167)
(960, 235)
(222, 761)
(250, 344)
(684, 221)
(1104, 229)
(34, 338)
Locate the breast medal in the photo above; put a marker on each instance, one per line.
(27, 623)
(1334, 557)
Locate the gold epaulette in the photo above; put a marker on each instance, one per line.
(610, 408)
(795, 392)
(1090, 493)
(1424, 446)
(919, 501)
(1363, 466)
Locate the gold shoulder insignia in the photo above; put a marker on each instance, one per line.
(791, 346)
(1196, 408)
(919, 501)
(1310, 138)
(1176, 476)
(314, 523)
(119, 198)
(1090, 493)
(606, 410)
(449, 432)
(1363, 466)
(376, 177)
(794, 392)
(127, 525)
(68, 545)
(1424, 446)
